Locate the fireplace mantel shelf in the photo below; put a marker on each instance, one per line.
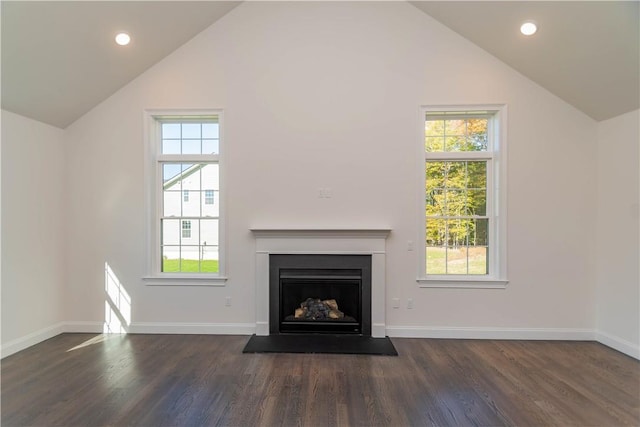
(279, 232)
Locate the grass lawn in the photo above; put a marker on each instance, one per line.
(190, 266)
(454, 261)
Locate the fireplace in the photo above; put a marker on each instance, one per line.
(320, 293)
(274, 241)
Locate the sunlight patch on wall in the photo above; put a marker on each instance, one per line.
(117, 305)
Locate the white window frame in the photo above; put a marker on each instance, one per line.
(153, 189)
(496, 200)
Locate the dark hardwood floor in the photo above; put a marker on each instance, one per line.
(205, 380)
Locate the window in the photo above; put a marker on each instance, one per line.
(209, 197)
(186, 229)
(464, 198)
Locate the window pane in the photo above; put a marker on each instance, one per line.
(477, 175)
(434, 175)
(171, 131)
(209, 232)
(455, 135)
(210, 146)
(477, 139)
(455, 202)
(476, 202)
(171, 259)
(456, 246)
(434, 143)
(436, 232)
(191, 146)
(211, 130)
(191, 131)
(454, 127)
(171, 172)
(187, 236)
(191, 178)
(454, 143)
(455, 174)
(434, 127)
(436, 260)
(170, 232)
(478, 260)
(172, 203)
(190, 260)
(478, 235)
(170, 146)
(211, 205)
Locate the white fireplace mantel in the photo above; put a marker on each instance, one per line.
(370, 241)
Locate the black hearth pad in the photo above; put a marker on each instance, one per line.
(320, 343)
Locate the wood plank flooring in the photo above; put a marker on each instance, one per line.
(204, 380)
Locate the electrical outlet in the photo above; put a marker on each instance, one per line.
(410, 303)
(395, 303)
(324, 193)
(410, 245)
(227, 301)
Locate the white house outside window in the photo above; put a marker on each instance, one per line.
(464, 197)
(185, 240)
(209, 197)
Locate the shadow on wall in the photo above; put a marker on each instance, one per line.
(117, 305)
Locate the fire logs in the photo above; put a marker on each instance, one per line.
(316, 309)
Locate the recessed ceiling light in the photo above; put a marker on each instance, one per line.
(528, 28)
(123, 39)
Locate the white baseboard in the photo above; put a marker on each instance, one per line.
(192, 328)
(84, 327)
(617, 343)
(626, 347)
(33, 338)
(491, 333)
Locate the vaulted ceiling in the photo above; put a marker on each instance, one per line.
(59, 59)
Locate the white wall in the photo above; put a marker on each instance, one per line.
(328, 95)
(618, 229)
(32, 232)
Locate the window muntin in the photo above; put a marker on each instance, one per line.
(462, 238)
(186, 163)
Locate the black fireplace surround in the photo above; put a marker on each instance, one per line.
(295, 277)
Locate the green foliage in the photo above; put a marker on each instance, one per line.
(456, 196)
(456, 261)
(189, 266)
(456, 135)
(455, 189)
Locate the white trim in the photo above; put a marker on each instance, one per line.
(496, 200)
(192, 328)
(617, 343)
(84, 327)
(341, 233)
(462, 283)
(185, 280)
(33, 338)
(153, 195)
(44, 334)
(454, 332)
(569, 334)
(318, 240)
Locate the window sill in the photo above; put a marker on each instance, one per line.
(462, 283)
(185, 280)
